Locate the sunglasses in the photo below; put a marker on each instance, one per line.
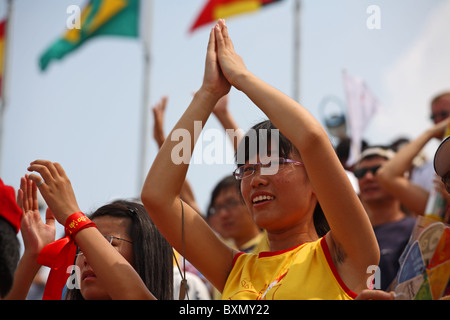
(437, 115)
(360, 173)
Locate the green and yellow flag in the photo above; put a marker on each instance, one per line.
(99, 17)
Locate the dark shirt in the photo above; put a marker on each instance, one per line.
(392, 238)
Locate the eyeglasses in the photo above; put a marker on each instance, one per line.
(360, 173)
(437, 115)
(446, 180)
(248, 170)
(226, 206)
(110, 239)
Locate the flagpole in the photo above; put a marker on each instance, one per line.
(5, 77)
(145, 15)
(296, 52)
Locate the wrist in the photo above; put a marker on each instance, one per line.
(77, 222)
(429, 134)
(223, 116)
(239, 80)
(207, 95)
(30, 254)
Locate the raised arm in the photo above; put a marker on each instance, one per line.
(392, 174)
(162, 187)
(351, 231)
(227, 121)
(114, 272)
(187, 194)
(159, 110)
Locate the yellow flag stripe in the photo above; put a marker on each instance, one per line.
(74, 35)
(227, 10)
(107, 10)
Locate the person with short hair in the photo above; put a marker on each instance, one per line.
(392, 226)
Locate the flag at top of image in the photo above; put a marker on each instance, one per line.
(220, 9)
(98, 18)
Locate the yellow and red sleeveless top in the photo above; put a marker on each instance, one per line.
(303, 272)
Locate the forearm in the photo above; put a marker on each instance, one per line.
(187, 195)
(401, 163)
(168, 172)
(23, 277)
(295, 121)
(230, 126)
(117, 276)
(346, 217)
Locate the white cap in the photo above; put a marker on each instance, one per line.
(377, 152)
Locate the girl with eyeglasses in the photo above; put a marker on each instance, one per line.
(121, 255)
(304, 262)
(128, 228)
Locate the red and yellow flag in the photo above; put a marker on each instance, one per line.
(220, 9)
(2, 53)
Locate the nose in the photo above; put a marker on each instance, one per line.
(257, 179)
(368, 175)
(222, 212)
(82, 260)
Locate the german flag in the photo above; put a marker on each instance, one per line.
(2, 53)
(220, 9)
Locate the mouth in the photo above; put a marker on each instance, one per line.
(369, 188)
(227, 225)
(262, 199)
(88, 275)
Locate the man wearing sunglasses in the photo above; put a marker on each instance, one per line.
(392, 226)
(440, 107)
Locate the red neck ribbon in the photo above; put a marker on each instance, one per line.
(60, 255)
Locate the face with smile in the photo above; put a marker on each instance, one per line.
(90, 287)
(280, 201)
(231, 216)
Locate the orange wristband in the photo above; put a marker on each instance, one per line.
(77, 222)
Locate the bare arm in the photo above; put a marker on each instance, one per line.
(114, 272)
(162, 187)
(227, 121)
(392, 174)
(116, 275)
(187, 194)
(351, 230)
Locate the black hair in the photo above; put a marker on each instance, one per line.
(153, 255)
(260, 135)
(9, 256)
